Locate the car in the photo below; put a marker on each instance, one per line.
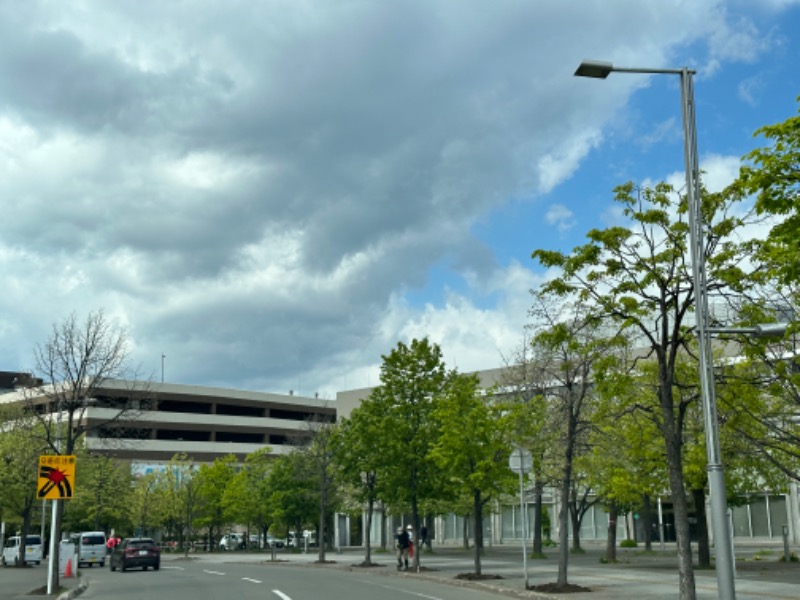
(275, 542)
(232, 541)
(134, 553)
(91, 548)
(11, 550)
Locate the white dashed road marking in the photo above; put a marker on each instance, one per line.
(281, 595)
(213, 572)
(251, 580)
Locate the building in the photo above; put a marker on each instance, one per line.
(148, 422)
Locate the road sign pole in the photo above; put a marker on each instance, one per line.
(53, 563)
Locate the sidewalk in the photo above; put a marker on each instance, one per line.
(17, 583)
(637, 575)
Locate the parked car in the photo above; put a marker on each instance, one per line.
(132, 553)
(33, 550)
(232, 541)
(275, 542)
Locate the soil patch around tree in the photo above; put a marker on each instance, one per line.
(475, 577)
(554, 588)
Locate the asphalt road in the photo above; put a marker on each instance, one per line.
(196, 580)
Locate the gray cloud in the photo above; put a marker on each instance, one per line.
(251, 186)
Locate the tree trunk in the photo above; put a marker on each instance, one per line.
(321, 538)
(611, 541)
(383, 526)
(368, 533)
(686, 585)
(563, 527)
(703, 545)
(576, 525)
(465, 533)
(647, 524)
(478, 512)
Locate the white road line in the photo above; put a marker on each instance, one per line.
(409, 592)
(251, 580)
(281, 595)
(213, 572)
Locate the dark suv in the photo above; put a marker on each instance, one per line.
(136, 552)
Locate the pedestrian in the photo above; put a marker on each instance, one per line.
(423, 537)
(402, 542)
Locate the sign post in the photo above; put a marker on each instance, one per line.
(521, 461)
(56, 482)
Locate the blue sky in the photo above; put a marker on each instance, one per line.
(273, 194)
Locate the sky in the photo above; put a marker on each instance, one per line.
(270, 195)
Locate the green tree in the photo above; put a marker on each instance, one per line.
(523, 391)
(412, 378)
(212, 482)
(20, 449)
(774, 176)
(146, 504)
(567, 343)
(472, 449)
(322, 476)
(247, 495)
(177, 487)
(98, 504)
(358, 462)
(637, 277)
(292, 500)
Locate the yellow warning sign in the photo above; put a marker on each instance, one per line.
(56, 477)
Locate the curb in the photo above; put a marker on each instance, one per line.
(75, 592)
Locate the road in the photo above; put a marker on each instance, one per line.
(196, 580)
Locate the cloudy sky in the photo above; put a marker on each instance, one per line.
(272, 194)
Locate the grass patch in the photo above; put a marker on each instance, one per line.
(577, 551)
(628, 544)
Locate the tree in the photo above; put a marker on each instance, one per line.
(178, 488)
(247, 495)
(212, 482)
(412, 378)
(472, 449)
(98, 504)
(291, 497)
(19, 456)
(567, 344)
(76, 360)
(638, 278)
(774, 176)
(358, 462)
(319, 459)
(523, 392)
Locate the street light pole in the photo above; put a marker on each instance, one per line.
(716, 476)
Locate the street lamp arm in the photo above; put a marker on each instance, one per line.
(600, 70)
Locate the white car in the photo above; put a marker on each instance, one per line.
(232, 541)
(33, 550)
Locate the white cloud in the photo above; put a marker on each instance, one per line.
(260, 189)
(560, 216)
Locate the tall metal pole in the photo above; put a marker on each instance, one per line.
(723, 540)
(716, 476)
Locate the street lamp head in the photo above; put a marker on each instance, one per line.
(594, 68)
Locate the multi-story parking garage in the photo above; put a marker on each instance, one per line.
(160, 420)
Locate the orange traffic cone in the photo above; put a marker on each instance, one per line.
(68, 570)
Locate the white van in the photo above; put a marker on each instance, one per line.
(33, 550)
(92, 548)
